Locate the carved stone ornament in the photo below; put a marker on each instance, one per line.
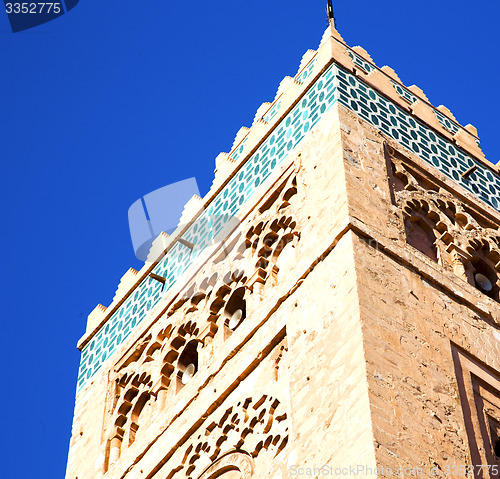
(236, 461)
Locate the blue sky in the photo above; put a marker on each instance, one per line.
(118, 98)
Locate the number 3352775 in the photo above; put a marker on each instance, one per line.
(33, 7)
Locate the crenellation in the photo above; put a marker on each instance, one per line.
(261, 111)
(390, 72)
(242, 133)
(306, 58)
(96, 316)
(363, 53)
(471, 129)
(126, 281)
(331, 32)
(419, 92)
(388, 87)
(284, 85)
(421, 110)
(158, 246)
(468, 142)
(191, 209)
(447, 112)
(220, 160)
(365, 71)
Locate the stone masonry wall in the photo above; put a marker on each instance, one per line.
(347, 355)
(415, 310)
(364, 339)
(297, 358)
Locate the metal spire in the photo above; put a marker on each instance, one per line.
(329, 11)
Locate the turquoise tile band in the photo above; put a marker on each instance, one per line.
(334, 84)
(286, 136)
(418, 138)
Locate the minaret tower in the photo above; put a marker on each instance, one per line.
(330, 307)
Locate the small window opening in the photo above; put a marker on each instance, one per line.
(485, 278)
(235, 311)
(496, 448)
(494, 427)
(187, 365)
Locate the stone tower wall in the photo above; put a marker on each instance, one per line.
(427, 328)
(365, 340)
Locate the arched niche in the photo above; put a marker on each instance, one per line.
(234, 465)
(420, 235)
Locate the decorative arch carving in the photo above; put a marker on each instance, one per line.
(446, 229)
(276, 231)
(235, 461)
(235, 437)
(143, 380)
(132, 400)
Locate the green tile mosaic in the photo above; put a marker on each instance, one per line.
(237, 152)
(446, 123)
(272, 112)
(204, 232)
(306, 72)
(334, 84)
(418, 138)
(404, 92)
(360, 62)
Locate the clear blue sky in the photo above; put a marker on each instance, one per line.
(120, 97)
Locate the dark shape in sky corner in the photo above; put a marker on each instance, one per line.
(25, 15)
(70, 4)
